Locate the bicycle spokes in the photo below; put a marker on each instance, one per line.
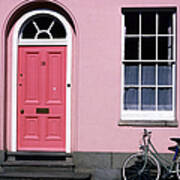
(142, 167)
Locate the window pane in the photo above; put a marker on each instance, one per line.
(165, 50)
(29, 31)
(43, 22)
(131, 48)
(165, 23)
(164, 75)
(132, 23)
(131, 98)
(165, 99)
(131, 74)
(43, 36)
(148, 23)
(148, 48)
(148, 99)
(58, 30)
(148, 75)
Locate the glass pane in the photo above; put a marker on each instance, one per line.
(43, 22)
(148, 48)
(131, 99)
(165, 99)
(58, 30)
(131, 74)
(29, 31)
(148, 99)
(43, 36)
(131, 48)
(165, 48)
(132, 23)
(165, 23)
(148, 75)
(148, 23)
(164, 75)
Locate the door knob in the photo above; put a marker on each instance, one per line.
(22, 111)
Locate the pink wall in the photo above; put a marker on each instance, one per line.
(96, 76)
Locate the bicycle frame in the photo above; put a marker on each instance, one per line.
(149, 163)
(148, 147)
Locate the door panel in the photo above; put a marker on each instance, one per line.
(52, 131)
(31, 126)
(55, 77)
(32, 77)
(41, 98)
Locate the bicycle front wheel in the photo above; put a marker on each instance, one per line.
(178, 168)
(135, 167)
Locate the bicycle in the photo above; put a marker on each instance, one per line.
(148, 163)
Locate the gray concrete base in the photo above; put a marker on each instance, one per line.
(106, 174)
(103, 166)
(2, 156)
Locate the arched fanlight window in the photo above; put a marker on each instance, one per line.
(43, 26)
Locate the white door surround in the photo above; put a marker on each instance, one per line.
(17, 40)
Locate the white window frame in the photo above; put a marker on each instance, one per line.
(17, 41)
(142, 115)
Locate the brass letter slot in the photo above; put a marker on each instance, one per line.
(42, 110)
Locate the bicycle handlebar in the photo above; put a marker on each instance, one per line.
(147, 133)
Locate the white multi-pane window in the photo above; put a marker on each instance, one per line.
(148, 64)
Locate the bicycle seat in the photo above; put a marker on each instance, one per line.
(177, 140)
(172, 148)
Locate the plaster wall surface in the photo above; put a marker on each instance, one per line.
(96, 76)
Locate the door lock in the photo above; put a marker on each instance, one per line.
(43, 63)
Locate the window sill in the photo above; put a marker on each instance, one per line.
(153, 116)
(148, 123)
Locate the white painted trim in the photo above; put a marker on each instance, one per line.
(67, 42)
(156, 65)
(54, 42)
(14, 93)
(174, 65)
(148, 115)
(122, 64)
(149, 35)
(140, 57)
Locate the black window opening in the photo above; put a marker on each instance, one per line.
(43, 27)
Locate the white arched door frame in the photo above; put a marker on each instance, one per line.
(18, 41)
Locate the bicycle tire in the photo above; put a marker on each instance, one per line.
(178, 168)
(134, 163)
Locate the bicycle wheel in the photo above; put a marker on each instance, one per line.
(132, 168)
(178, 168)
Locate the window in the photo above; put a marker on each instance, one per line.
(149, 64)
(43, 26)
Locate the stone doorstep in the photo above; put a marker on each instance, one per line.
(20, 166)
(41, 163)
(46, 175)
(35, 166)
(38, 156)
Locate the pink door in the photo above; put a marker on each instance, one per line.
(41, 98)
